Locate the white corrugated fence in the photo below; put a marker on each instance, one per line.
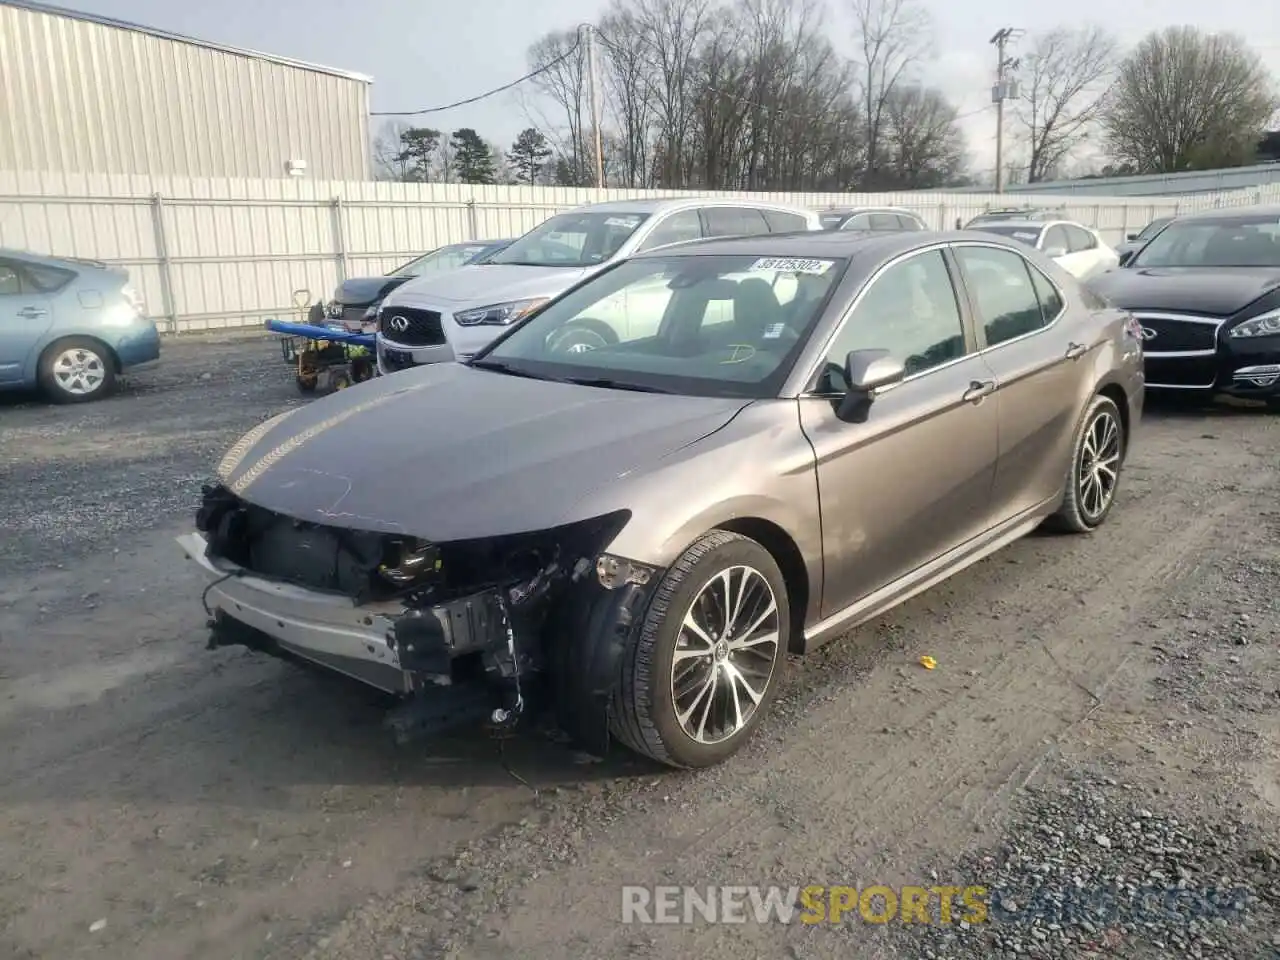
(227, 253)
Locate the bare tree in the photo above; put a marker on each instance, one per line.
(1187, 100)
(626, 65)
(1063, 79)
(565, 82)
(389, 162)
(676, 30)
(924, 146)
(892, 36)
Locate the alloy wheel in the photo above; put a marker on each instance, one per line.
(1099, 464)
(725, 654)
(78, 371)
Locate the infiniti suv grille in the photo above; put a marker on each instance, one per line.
(412, 327)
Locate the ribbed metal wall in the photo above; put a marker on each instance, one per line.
(224, 253)
(81, 96)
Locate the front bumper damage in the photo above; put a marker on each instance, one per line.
(528, 624)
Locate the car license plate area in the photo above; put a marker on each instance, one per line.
(397, 359)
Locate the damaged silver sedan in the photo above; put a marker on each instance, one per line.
(765, 442)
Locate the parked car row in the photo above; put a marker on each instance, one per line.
(61, 328)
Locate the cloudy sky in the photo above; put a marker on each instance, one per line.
(432, 52)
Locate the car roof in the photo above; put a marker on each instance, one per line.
(826, 243)
(668, 204)
(1027, 224)
(1231, 213)
(66, 263)
(854, 210)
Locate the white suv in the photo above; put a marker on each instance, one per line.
(452, 316)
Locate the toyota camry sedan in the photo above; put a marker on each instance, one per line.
(803, 431)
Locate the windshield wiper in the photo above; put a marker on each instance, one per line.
(500, 366)
(611, 384)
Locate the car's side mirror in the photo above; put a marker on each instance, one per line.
(1132, 236)
(865, 372)
(1125, 257)
(1055, 251)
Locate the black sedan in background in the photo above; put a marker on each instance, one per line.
(356, 299)
(1206, 291)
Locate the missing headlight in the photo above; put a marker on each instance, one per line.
(409, 561)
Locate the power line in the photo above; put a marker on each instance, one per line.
(491, 93)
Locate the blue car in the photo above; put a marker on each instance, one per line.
(356, 300)
(69, 327)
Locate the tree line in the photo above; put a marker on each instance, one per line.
(752, 95)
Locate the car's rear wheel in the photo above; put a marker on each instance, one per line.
(1094, 473)
(701, 672)
(76, 370)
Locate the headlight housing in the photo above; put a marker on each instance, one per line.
(499, 314)
(1267, 325)
(409, 561)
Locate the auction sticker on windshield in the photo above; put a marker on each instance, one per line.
(792, 265)
(621, 221)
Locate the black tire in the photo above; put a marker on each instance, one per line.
(582, 336)
(92, 375)
(644, 715)
(1077, 514)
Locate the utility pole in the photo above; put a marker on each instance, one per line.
(1004, 89)
(595, 103)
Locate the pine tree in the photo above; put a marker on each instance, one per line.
(472, 158)
(528, 155)
(418, 147)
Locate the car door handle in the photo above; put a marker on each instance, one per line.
(32, 313)
(979, 389)
(1075, 351)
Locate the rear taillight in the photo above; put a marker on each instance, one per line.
(135, 299)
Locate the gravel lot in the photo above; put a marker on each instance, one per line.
(1103, 725)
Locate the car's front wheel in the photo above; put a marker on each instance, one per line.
(701, 672)
(76, 370)
(1094, 472)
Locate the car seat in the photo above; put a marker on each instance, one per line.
(755, 309)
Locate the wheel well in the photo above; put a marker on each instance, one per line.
(107, 350)
(790, 561)
(598, 326)
(1116, 394)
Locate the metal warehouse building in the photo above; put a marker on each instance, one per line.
(86, 94)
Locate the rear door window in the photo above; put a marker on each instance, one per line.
(679, 227)
(884, 221)
(907, 222)
(733, 221)
(782, 222)
(1079, 239)
(861, 221)
(1055, 238)
(10, 282)
(1002, 291)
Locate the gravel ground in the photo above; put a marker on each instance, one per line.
(161, 801)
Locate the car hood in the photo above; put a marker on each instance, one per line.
(447, 452)
(1216, 291)
(363, 291)
(483, 284)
